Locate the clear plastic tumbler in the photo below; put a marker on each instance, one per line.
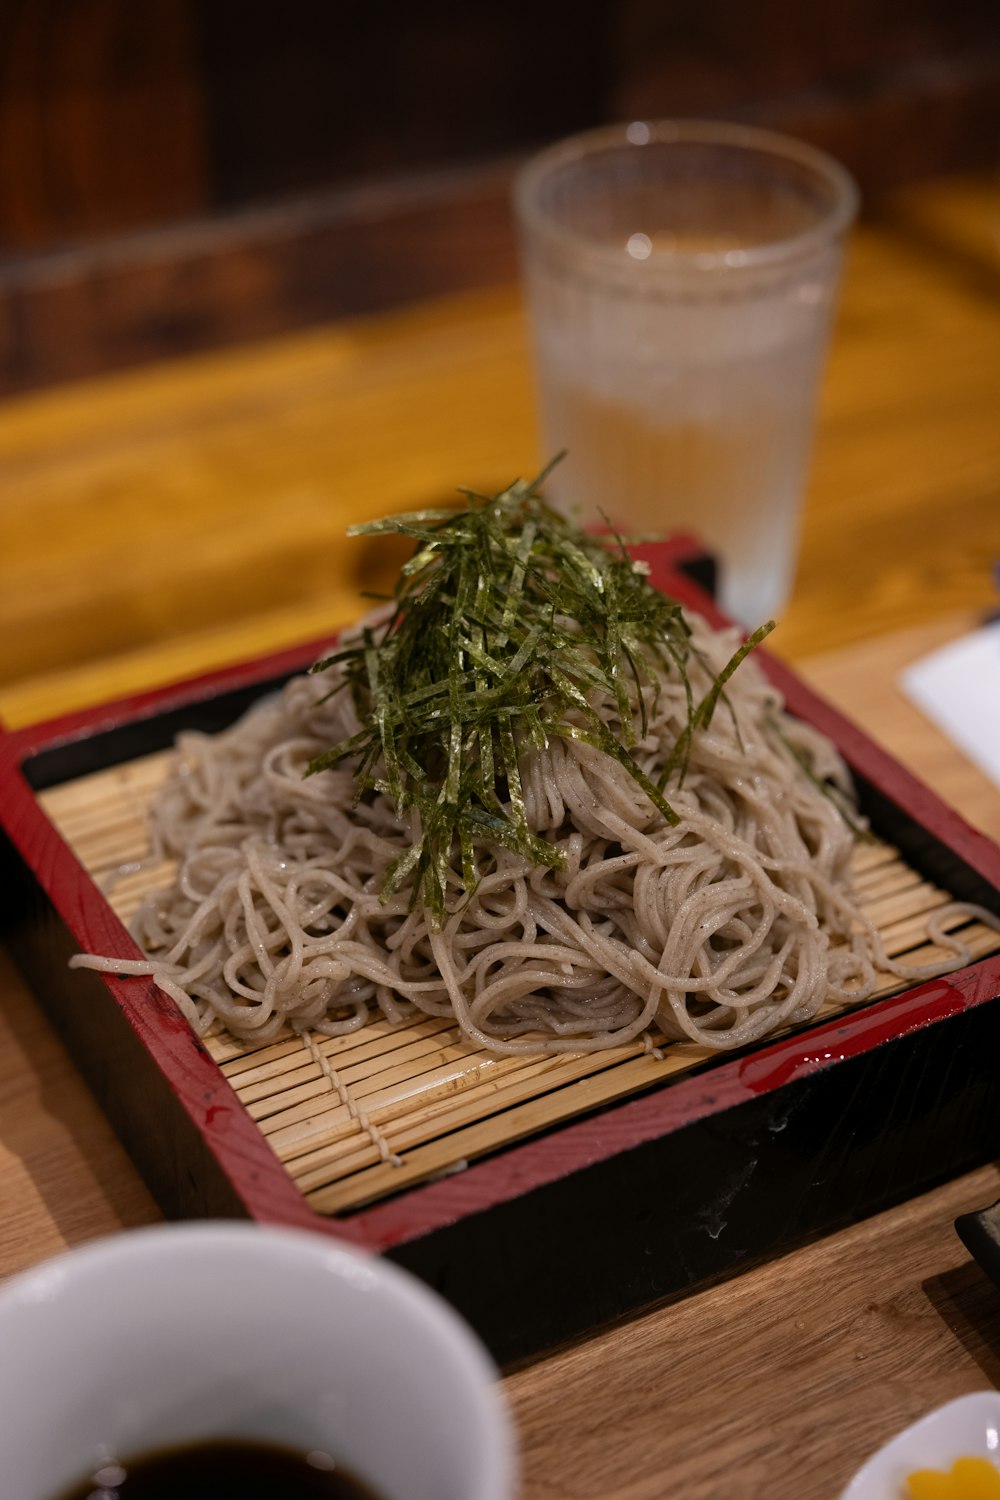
(681, 279)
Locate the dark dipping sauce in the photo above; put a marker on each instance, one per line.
(223, 1471)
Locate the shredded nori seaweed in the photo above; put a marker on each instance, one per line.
(509, 622)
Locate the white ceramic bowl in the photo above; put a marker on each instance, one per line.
(170, 1335)
(966, 1428)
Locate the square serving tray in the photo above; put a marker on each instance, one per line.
(565, 1196)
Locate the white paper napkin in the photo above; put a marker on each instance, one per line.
(958, 687)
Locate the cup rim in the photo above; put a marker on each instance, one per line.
(636, 135)
(70, 1272)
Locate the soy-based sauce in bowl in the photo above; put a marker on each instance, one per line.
(222, 1471)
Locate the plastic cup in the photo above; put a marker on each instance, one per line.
(681, 279)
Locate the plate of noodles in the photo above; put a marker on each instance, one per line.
(541, 901)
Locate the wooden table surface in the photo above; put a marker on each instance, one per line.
(160, 522)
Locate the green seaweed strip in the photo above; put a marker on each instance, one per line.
(707, 706)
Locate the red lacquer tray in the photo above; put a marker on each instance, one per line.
(588, 1221)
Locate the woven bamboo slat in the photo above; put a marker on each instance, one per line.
(436, 1101)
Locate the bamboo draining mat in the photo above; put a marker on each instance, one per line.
(437, 1101)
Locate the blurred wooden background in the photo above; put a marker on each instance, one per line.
(181, 174)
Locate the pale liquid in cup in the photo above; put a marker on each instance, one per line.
(718, 446)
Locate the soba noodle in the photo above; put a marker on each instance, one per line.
(738, 920)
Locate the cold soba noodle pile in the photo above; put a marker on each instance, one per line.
(535, 797)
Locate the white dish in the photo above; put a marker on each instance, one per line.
(966, 1428)
(167, 1336)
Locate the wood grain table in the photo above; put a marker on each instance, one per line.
(155, 524)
